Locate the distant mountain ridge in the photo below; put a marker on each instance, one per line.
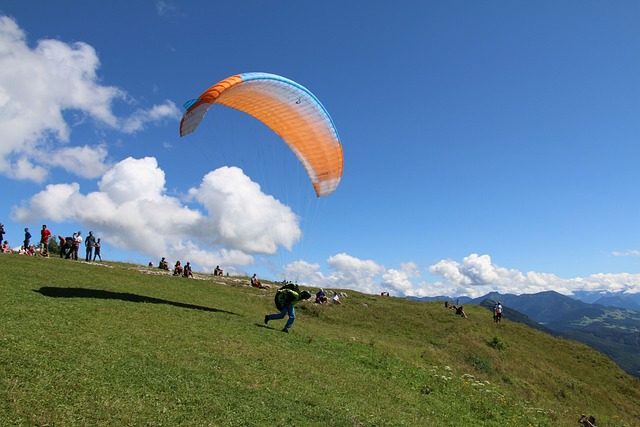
(621, 301)
(612, 299)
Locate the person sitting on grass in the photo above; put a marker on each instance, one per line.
(187, 270)
(177, 269)
(257, 284)
(163, 264)
(321, 297)
(336, 299)
(589, 421)
(6, 249)
(460, 311)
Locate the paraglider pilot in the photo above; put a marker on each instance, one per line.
(285, 300)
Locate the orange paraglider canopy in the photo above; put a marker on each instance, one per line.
(287, 108)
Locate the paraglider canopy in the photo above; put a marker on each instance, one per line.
(290, 110)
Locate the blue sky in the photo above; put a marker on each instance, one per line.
(488, 145)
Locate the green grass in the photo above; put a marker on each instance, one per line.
(111, 344)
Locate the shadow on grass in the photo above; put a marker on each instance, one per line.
(49, 291)
(268, 327)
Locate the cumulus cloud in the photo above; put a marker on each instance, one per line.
(37, 87)
(400, 281)
(475, 276)
(132, 211)
(242, 216)
(347, 272)
(86, 161)
(156, 114)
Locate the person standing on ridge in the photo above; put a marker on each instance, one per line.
(89, 243)
(27, 239)
(96, 247)
(497, 312)
(44, 241)
(77, 241)
(287, 297)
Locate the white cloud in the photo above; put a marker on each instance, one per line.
(158, 113)
(85, 162)
(242, 216)
(23, 168)
(354, 273)
(132, 211)
(37, 87)
(627, 253)
(477, 272)
(348, 272)
(475, 276)
(398, 281)
(165, 8)
(305, 273)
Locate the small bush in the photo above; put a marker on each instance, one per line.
(480, 364)
(497, 343)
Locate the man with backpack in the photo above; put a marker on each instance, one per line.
(497, 312)
(286, 297)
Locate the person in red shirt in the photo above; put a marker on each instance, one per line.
(44, 241)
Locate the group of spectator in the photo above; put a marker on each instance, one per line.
(321, 297)
(178, 268)
(68, 246)
(458, 309)
(184, 270)
(31, 251)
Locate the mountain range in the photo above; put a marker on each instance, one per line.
(609, 323)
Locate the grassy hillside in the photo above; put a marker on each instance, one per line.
(610, 330)
(114, 344)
